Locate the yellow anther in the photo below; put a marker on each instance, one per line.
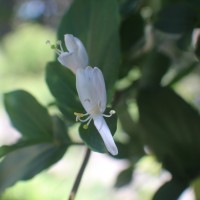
(85, 126)
(78, 114)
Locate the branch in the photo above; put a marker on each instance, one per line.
(79, 175)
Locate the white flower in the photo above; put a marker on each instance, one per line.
(90, 87)
(92, 93)
(76, 57)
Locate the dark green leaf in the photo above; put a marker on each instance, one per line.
(25, 163)
(92, 138)
(61, 83)
(176, 18)
(96, 24)
(154, 66)
(131, 31)
(28, 116)
(171, 127)
(124, 177)
(170, 190)
(133, 148)
(60, 131)
(130, 36)
(128, 7)
(124, 150)
(60, 136)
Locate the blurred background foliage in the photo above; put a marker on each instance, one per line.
(148, 51)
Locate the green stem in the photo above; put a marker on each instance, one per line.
(79, 175)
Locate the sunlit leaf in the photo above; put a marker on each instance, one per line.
(29, 117)
(25, 163)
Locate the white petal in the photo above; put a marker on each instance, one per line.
(105, 133)
(99, 84)
(85, 89)
(69, 60)
(73, 44)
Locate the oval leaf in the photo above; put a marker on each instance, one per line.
(62, 85)
(171, 128)
(25, 163)
(170, 190)
(29, 117)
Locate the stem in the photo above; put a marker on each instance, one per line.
(79, 175)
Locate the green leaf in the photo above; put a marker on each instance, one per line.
(171, 127)
(154, 66)
(61, 83)
(25, 163)
(33, 122)
(127, 7)
(124, 177)
(60, 131)
(29, 117)
(96, 24)
(129, 34)
(92, 138)
(170, 190)
(176, 18)
(133, 148)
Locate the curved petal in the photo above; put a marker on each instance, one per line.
(99, 84)
(85, 89)
(73, 44)
(69, 60)
(105, 133)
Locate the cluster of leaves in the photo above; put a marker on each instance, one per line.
(121, 38)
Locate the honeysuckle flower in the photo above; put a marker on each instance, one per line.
(92, 93)
(76, 57)
(90, 87)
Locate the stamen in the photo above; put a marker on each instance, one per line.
(84, 120)
(80, 115)
(60, 45)
(54, 47)
(112, 112)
